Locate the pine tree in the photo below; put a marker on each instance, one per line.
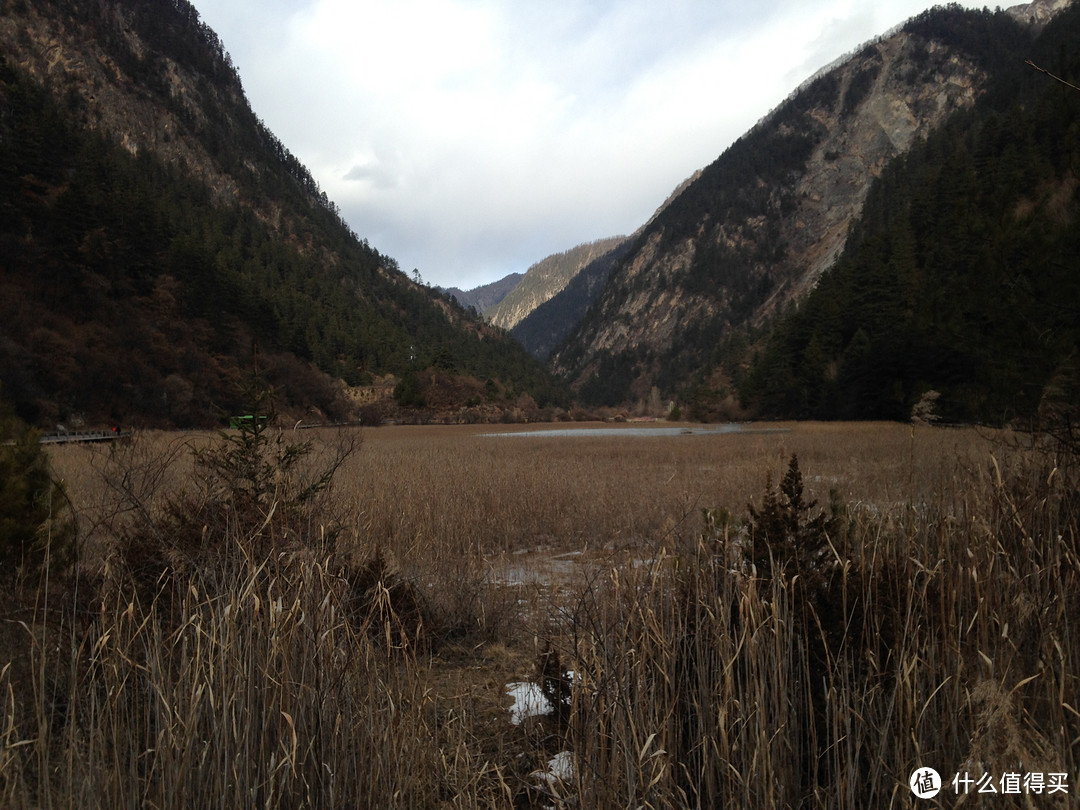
(37, 534)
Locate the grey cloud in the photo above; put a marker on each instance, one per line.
(379, 176)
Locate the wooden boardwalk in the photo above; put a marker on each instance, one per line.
(84, 436)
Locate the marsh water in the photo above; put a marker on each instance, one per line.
(635, 430)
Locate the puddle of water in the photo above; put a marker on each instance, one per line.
(536, 570)
(535, 567)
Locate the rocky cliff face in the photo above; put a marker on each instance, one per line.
(151, 76)
(73, 58)
(902, 102)
(557, 291)
(758, 227)
(485, 296)
(1037, 13)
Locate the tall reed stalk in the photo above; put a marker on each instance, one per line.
(349, 650)
(944, 638)
(262, 687)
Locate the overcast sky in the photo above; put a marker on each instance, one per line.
(469, 139)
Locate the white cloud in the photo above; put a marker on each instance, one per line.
(470, 138)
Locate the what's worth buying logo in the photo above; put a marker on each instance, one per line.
(925, 783)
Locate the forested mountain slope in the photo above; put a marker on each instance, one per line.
(759, 226)
(487, 295)
(961, 282)
(546, 279)
(154, 232)
(546, 326)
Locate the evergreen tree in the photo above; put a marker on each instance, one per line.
(37, 533)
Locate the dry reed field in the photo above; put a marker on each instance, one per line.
(789, 616)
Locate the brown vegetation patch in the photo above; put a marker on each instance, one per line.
(777, 655)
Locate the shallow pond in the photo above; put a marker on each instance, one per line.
(649, 432)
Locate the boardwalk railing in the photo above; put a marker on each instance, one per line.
(84, 436)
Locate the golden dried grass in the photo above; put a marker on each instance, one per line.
(946, 634)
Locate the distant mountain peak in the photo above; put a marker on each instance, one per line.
(485, 296)
(546, 279)
(1037, 13)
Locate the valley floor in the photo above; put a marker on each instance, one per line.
(783, 615)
